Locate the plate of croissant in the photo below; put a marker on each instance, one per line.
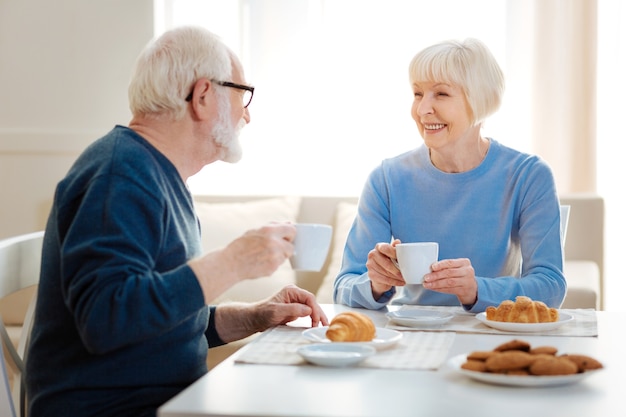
(353, 327)
(523, 315)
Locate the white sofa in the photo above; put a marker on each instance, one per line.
(225, 217)
(583, 248)
(232, 214)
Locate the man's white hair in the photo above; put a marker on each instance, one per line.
(169, 66)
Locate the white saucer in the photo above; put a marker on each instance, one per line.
(336, 354)
(418, 318)
(383, 339)
(525, 327)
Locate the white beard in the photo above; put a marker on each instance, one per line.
(226, 135)
(231, 146)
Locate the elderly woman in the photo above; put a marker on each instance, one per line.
(493, 210)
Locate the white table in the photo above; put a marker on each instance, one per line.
(235, 389)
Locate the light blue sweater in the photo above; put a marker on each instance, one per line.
(503, 215)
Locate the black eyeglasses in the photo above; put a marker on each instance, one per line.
(248, 91)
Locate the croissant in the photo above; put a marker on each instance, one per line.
(523, 310)
(351, 326)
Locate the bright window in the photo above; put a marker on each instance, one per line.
(332, 94)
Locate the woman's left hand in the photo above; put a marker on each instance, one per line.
(453, 276)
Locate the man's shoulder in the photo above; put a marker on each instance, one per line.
(120, 151)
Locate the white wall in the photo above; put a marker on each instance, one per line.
(64, 70)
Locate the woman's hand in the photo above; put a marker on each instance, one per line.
(453, 276)
(382, 269)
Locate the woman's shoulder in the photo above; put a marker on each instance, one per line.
(512, 163)
(511, 154)
(410, 158)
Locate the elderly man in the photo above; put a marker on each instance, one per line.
(122, 322)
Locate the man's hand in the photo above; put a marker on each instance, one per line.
(235, 321)
(257, 253)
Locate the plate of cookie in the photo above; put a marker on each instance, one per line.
(517, 380)
(525, 327)
(515, 363)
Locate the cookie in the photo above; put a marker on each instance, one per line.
(549, 350)
(509, 360)
(517, 372)
(480, 355)
(583, 362)
(474, 365)
(542, 355)
(553, 366)
(514, 344)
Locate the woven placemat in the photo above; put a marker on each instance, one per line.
(415, 350)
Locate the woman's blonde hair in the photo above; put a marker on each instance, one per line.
(168, 67)
(468, 64)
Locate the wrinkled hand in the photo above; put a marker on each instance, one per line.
(287, 305)
(259, 252)
(236, 320)
(453, 276)
(382, 269)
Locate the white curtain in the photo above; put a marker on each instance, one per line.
(564, 90)
(611, 141)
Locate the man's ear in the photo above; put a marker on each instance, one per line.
(202, 98)
(202, 88)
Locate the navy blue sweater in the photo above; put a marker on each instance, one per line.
(120, 320)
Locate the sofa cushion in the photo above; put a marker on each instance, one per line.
(223, 222)
(583, 284)
(344, 217)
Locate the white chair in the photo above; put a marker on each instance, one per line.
(584, 251)
(6, 402)
(565, 209)
(20, 261)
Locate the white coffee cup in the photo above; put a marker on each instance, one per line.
(415, 259)
(311, 246)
